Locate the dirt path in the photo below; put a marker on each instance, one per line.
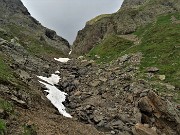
(49, 122)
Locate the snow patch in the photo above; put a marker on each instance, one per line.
(63, 60)
(56, 96)
(54, 79)
(57, 72)
(70, 52)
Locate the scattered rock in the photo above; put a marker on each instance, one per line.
(154, 107)
(162, 77)
(97, 118)
(103, 79)
(2, 41)
(124, 58)
(152, 69)
(145, 105)
(76, 82)
(80, 58)
(113, 132)
(77, 93)
(19, 102)
(130, 98)
(24, 75)
(170, 87)
(97, 56)
(106, 96)
(140, 129)
(137, 115)
(178, 107)
(117, 124)
(94, 83)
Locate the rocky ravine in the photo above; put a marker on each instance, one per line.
(113, 99)
(23, 105)
(102, 99)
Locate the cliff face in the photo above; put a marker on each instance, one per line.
(16, 21)
(13, 6)
(133, 13)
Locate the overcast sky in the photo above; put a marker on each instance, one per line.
(66, 17)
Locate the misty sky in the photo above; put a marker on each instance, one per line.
(66, 17)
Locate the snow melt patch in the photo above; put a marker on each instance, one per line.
(56, 96)
(54, 79)
(63, 60)
(57, 72)
(70, 52)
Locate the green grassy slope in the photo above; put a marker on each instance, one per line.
(2, 127)
(8, 108)
(31, 42)
(5, 71)
(110, 48)
(160, 46)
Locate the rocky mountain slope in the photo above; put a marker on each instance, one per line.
(148, 26)
(116, 101)
(15, 21)
(118, 92)
(133, 13)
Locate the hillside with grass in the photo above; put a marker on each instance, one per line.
(159, 45)
(127, 20)
(148, 29)
(16, 22)
(149, 26)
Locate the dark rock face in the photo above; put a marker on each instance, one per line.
(17, 21)
(50, 33)
(125, 21)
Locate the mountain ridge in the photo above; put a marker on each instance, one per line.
(16, 20)
(125, 21)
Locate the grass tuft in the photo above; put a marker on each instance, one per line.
(5, 71)
(2, 127)
(6, 106)
(29, 130)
